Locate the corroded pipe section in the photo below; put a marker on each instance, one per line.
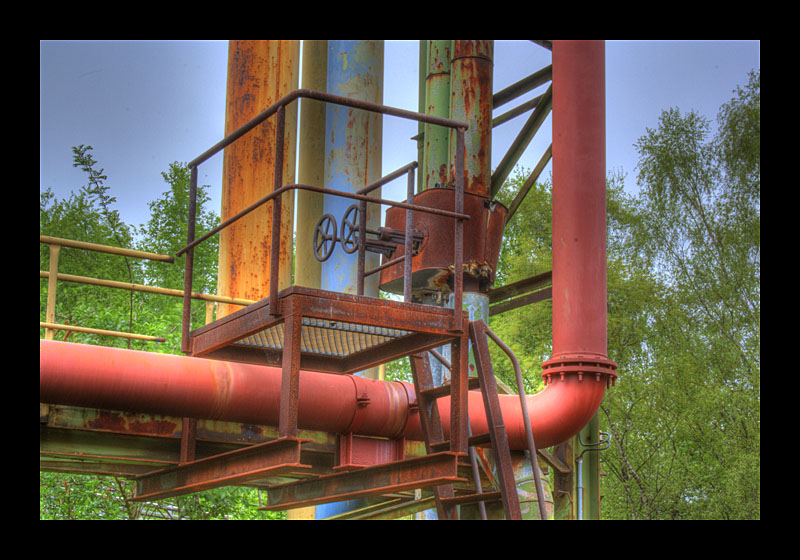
(579, 208)
(259, 73)
(471, 101)
(145, 382)
(437, 102)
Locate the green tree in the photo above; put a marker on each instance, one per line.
(165, 233)
(683, 317)
(89, 215)
(527, 250)
(686, 416)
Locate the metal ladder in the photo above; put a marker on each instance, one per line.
(460, 439)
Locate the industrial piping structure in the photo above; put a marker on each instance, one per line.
(577, 375)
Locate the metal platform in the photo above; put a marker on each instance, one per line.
(338, 333)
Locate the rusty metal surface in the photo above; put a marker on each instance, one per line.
(482, 330)
(496, 425)
(408, 328)
(280, 249)
(241, 465)
(431, 423)
(259, 72)
(418, 472)
(290, 377)
(353, 148)
(432, 266)
(579, 216)
(471, 72)
(354, 451)
(117, 379)
(327, 98)
(436, 153)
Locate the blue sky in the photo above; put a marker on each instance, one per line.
(143, 105)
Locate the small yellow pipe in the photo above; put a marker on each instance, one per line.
(56, 326)
(311, 163)
(142, 288)
(55, 241)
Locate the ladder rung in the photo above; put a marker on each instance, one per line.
(473, 441)
(472, 498)
(444, 390)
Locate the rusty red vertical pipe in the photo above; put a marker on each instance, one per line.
(579, 202)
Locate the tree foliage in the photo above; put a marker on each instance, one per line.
(90, 215)
(686, 419)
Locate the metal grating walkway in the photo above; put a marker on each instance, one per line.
(338, 333)
(328, 338)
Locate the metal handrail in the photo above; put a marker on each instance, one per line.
(48, 240)
(55, 244)
(327, 98)
(278, 109)
(526, 418)
(298, 186)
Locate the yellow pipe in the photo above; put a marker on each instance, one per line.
(142, 288)
(55, 241)
(56, 326)
(50, 312)
(311, 163)
(310, 171)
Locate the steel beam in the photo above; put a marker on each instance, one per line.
(418, 472)
(234, 467)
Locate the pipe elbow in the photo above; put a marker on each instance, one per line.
(557, 413)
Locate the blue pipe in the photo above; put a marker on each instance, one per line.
(353, 140)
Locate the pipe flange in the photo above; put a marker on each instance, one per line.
(582, 366)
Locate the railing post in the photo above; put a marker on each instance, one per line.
(52, 282)
(186, 325)
(458, 250)
(362, 245)
(274, 262)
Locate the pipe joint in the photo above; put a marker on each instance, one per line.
(581, 365)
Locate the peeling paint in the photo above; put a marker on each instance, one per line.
(471, 101)
(353, 149)
(259, 72)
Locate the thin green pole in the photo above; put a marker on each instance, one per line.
(591, 470)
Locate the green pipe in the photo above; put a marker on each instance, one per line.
(436, 152)
(590, 470)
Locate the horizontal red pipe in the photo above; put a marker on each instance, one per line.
(128, 380)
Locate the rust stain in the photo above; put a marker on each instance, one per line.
(131, 423)
(259, 73)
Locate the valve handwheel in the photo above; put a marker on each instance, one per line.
(350, 221)
(325, 237)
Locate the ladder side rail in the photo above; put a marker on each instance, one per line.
(494, 417)
(431, 427)
(526, 418)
